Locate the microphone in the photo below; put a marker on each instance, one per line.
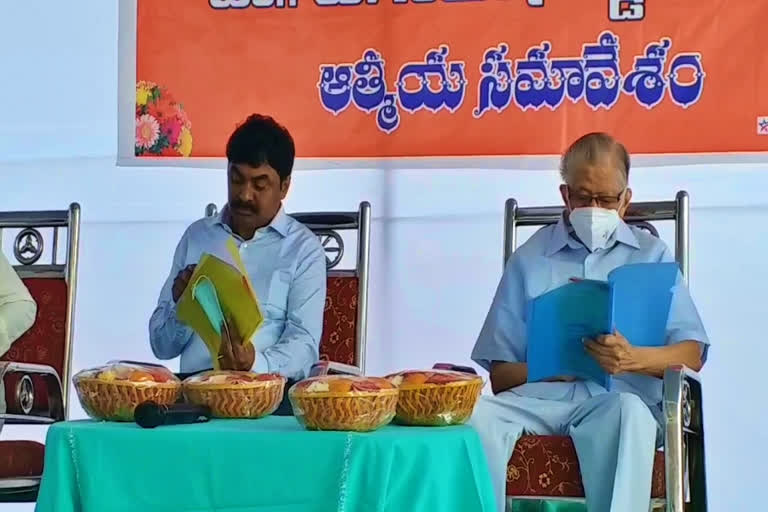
(151, 414)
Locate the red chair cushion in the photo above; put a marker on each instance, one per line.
(20, 459)
(548, 466)
(340, 320)
(44, 342)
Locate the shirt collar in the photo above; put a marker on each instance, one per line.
(280, 222)
(561, 237)
(626, 236)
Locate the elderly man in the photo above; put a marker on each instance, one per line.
(615, 433)
(283, 258)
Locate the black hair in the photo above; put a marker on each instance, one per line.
(261, 140)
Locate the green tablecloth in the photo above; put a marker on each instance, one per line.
(271, 464)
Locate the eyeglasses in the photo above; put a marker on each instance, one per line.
(601, 200)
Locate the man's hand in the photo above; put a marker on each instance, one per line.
(233, 353)
(181, 281)
(613, 353)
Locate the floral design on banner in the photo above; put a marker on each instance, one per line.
(162, 126)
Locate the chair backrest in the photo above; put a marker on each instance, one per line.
(638, 214)
(52, 284)
(346, 304)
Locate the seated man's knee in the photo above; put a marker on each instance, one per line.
(482, 413)
(630, 406)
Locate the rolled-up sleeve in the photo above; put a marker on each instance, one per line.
(502, 337)
(167, 335)
(684, 322)
(298, 346)
(17, 307)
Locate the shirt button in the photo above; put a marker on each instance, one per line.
(244, 246)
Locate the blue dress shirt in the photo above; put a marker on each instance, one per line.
(287, 267)
(548, 260)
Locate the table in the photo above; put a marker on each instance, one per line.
(271, 464)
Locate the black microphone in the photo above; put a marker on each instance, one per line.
(151, 414)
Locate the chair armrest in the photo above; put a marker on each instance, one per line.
(333, 368)
(683, 436)
(19, 387)
(454, 367)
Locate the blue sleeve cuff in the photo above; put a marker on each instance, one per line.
(691, 335)
(484, 354)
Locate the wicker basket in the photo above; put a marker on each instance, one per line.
(424, 403)
(354, 410)
(254, 396)
(116, 400)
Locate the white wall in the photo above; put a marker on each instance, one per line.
(436, 249)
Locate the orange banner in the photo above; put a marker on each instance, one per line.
(408, 78)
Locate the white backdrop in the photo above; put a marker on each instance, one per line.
(436, 238)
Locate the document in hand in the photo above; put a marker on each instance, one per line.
(218, 290)
(635, 300)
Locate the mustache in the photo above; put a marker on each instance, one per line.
(242, 205)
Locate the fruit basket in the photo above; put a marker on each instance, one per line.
(341, 402)
(435, 397)
(112, 392)
(235, 394)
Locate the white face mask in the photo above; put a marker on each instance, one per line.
(594, 226)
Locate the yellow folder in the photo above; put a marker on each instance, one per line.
(236, 296)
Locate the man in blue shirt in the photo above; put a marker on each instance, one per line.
(614, 432)
(283, 258)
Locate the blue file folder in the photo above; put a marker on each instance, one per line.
(635, 300)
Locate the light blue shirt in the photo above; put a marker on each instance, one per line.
(287, 267)
(548, 260)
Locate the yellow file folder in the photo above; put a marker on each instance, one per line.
(236, 296)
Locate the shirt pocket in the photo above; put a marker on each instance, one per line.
(277, 296)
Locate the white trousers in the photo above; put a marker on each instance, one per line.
(614, 434)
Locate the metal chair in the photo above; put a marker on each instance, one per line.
(679, 481)
(342, 346)
(35, 371)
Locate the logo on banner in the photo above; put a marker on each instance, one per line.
(762, 125)
(626, 10)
